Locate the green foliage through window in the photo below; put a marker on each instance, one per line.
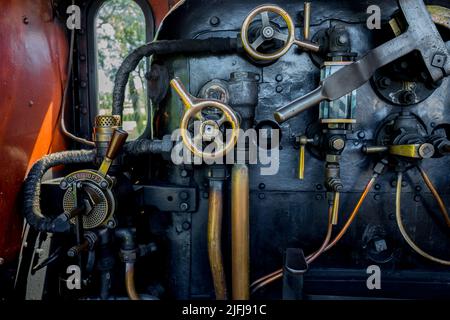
(120, 28)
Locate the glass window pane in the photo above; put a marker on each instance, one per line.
(120, 28)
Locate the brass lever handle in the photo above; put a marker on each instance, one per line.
(117, 141)
(303, 140)
(417, 151)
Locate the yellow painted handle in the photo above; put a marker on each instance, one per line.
(301, 164)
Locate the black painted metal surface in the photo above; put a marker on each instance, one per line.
(287, 212)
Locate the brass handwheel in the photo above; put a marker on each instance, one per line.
(268, 33)
(209, 130)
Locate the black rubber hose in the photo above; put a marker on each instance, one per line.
(211, 45)
(145, 146)
(32, 189)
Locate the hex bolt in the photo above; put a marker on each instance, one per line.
(384, 82)
(417, 198)
(319, 187)
(279, 78)
(262, 186)
(261, 196)
(319, 197)
(361, 134)
(184, 206)
(404, 184)
(376, 197)
(418, 188)
(377, 187)
(25, 20)
(183, 173)
(103, 184)
(408, 97)
(279, 89)
(214, 21)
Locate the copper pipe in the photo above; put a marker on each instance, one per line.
(279, 273)
(215, 213)
(331, 213)
(129, 281)
(354, 212)
(240, 238)
(436, 195)
(261, 282)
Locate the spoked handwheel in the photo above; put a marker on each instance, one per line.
(268, 33)
(206, 128)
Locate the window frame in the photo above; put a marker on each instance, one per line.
(92, 57)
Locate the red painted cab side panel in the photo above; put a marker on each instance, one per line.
(33, 51)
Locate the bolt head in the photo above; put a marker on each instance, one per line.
(268, 32)
(380, 245)
(338, 144)
(63, 184)
(426, 150)
(214, 21)
(184, 195)
(184, 206)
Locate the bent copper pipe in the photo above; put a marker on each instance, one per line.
(129, 281)
(240, 238)
(215, 213)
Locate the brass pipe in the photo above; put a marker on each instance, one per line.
(401, 227)
(240, 238)
(129, 281)
(215, 213)
(306, 20)
(335, 209)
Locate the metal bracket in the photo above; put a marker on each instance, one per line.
(294, 268)
(167, 198)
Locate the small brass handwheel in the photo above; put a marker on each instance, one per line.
(209, 130)
(268, 33)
